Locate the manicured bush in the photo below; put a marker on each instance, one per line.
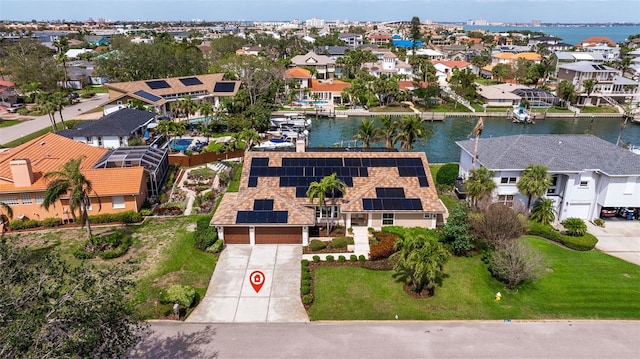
(306, 275)
(205, 235)
(307, 299)
(384, 247)
(341, 259)
(304, 262)
(80, 252)
(216, 247)
(341, 242)
(361, 258)
(317, 245)
(51, 222)
(599, 222)
(447, 174)
(305, 282)
(124, 217)
(24, 224)
(305, 289)
(330, 258)
(578, 243)
(353, 258)
(146, 212)
(182, 294)
(575, 226)
(316, 259)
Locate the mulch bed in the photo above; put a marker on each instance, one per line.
(327, 249)
(424, 294)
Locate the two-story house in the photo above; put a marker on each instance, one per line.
(324, 66)
(609, 83)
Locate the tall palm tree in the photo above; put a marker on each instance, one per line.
(589, 85)
(44, 101)
(480, 183)
(477, 132)
(387, 131)
(410, 129)
(70, 181)
(59, 100)
(62, 45)
(189, 106)
(534, 182)
(366, 132)
(328, 186)
(421, 262)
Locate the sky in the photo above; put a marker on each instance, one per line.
(520, 11)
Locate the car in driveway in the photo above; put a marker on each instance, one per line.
(15, 107)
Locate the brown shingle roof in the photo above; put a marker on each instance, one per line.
(176, 86)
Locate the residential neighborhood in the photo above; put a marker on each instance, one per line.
(303, 171)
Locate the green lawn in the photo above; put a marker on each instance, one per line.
(27, 138)
(392, 108)
(551, 110)
(234, 184)
(446, 107)
(575, 285)
(7, 123)
(598, 109)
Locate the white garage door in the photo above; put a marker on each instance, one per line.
(579, 210)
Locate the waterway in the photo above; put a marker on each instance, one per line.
(570, 34)
(441, 147)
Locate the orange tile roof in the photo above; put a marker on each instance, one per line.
(7, 84)
(531, 56)
(405, 85)
(297, 73)
(598, 40)
(116, 181)
(452, 64)
(334, 86)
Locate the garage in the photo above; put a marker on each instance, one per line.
(236, 235)
(579, 210)
(278, 235)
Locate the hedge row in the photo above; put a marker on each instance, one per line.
(124, 217)
(305, 284)
(32, 223)
(341, 242)
(579, 243)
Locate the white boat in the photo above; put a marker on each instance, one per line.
(292, 120)
(521, 115)
(276, 143)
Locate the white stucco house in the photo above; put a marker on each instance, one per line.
(589, 174)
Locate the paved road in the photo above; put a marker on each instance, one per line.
(28, 127)
(552, 339)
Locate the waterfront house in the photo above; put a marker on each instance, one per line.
(324, 66)
(610, 86)
(271, 205)
(588, 174)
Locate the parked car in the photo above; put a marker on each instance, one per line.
(15, 107)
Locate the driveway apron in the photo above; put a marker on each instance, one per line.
(231, 297)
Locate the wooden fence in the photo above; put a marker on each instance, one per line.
(203, 158)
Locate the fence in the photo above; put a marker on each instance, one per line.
(203, 158)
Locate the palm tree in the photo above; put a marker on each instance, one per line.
(410, 130)
(70, 181)
(477, 132)
(6, 208)
(480, 183)
(59, 100)
(366, 132)
(45, 103)
(189, 106)
(543, 211)
(328, 186)
(534, 182)
(387, 131)
(249, 136)
(589, 85)
(420, 262)
(62, 45)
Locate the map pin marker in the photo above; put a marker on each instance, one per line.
(256, 278)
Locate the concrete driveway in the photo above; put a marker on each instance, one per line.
(231, 297)
(619, 238)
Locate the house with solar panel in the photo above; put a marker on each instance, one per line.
(157, 94)
(590, 176)
(272, 207)
(610, 86)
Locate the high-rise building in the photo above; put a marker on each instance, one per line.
(536, 23)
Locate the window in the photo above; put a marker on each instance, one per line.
(26, 198)
(554, 182)
(117, 202)
(387, 219)
(584, 184)
(429, 216)
(506, 199)
(508, 180)
(99, 141)
(121, 141)
(324, 212)
(39, 197)
(89, 140)
(9, 199)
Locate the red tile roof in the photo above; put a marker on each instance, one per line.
(334, 86)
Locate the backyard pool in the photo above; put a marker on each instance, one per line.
(180, 144)
(311, 102)
(200, 119)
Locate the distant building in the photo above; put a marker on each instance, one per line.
(536, 23)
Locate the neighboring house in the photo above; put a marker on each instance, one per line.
(431, 54)
(596, 41)
(390, 65)
(567, 57)
(379, 39)
(499, 95)
(588, 173)
(8, 95)
(271, 206)
(444, 69)
(97, 40)
(159, 93)
(352, 40)
(407, 44)
(333, 52)
(113, 130)
(252, 50)
(300, 76)
(324, 66)
(330, 90)
(22, 182)
(512, 58)
(610, 85)
(74, 53)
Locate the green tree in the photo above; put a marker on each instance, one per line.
(502, 72)
(411, 129)
(188, 106)
(70, 181)
(480, 184)
(415, 33)
(457, 231)
(328, 186)
(366, 132)
(589, 85)
(566, 91)
(260, 76)
(420, 262)
(463, 82)
(28, 62)
(249, 136)
(59, 100)
(575, 226)
(543, 211)
(53, 310)
(62, 46)
(534, 182)
(46, 104)
(387, 131)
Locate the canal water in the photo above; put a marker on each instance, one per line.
(441, 147)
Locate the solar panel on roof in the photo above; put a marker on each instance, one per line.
(253, 182)
(263, 205)
(423, 181)
(301, 192)
(259, 162)
(158, 84)
(147, 95)
(391, 204)
(224, 87)
(190, 81)
(243, 217)
(389, 192)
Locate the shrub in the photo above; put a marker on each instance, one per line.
(447, 174)
(353, 258)
(182, 294)
(306, 275)
(362, 258)
(124, 217)
(575, 226)
(216, 247)
(341, 259)
(580, 243)
(304, 262)
(384, 247)
(457, 231)
(316, 259)
(205, 236)
(307, 299)
(146, 212)
(341, 242)
(317, 245)
(305, 289)
(599, 222)
(24, 224)
(330, 258)
(371, 230)
(80, 252)
(514, 262)
(51, 222)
